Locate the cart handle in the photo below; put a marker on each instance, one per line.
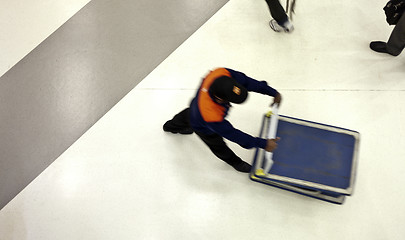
(271, 134)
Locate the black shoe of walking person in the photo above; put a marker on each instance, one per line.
(380, 47)
(170, 127)
(242, 167)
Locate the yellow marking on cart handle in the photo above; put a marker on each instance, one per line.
(260, 172)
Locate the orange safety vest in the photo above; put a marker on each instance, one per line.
(210, 110)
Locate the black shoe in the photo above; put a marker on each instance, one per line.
(169, 127)
(242, 167)
(380, 47)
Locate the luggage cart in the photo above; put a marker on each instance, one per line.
(312, 159)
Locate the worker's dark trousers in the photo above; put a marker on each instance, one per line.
(215, 142)
(277, 11)
(396, 42)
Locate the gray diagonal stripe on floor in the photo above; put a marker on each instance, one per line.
(60, 89)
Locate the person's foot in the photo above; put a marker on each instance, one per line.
(242, 167)
(170, 127)
(380, 47)
(286, 27)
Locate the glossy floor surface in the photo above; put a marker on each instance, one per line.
(61, 88)
(127, 179)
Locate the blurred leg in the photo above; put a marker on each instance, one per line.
(277, 11)
(217, 145)
(396, 42)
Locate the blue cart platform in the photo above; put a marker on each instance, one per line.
(311, 159)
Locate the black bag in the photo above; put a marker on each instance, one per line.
(394, 10)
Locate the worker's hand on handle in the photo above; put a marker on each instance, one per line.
(277, 99)
(271, 144)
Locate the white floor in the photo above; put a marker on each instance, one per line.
(24, 24)
(127, 179)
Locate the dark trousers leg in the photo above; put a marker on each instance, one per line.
(217, 145)
(396, 42)
(180, 123)
(277, 11)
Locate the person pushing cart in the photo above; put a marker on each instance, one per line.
(209, 108)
